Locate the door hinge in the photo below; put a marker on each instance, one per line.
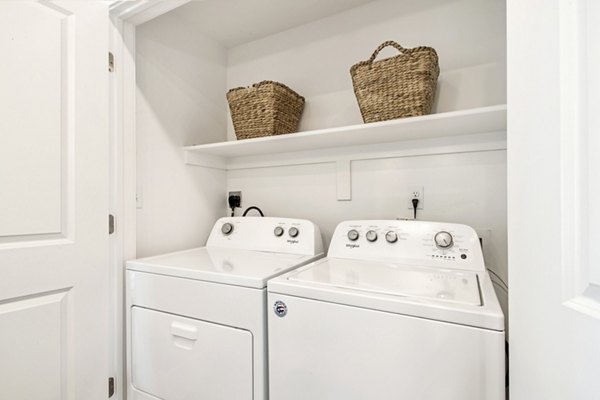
(111, 224)
(111, 62)
(111, 387)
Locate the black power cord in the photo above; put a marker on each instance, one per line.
(415, 203)
(253, 208)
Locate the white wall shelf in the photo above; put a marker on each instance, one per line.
(229, 155)
(479, 129)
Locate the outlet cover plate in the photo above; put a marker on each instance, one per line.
(415, 191)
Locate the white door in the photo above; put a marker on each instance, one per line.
(554, 198)
(53, 200)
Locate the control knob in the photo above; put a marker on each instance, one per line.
(227, 228)
(391, 237)
(443, 240)
(371, 236)
(293, 231)
(353, 235)
(278, 231)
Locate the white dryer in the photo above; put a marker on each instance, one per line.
(397, 310)
(196, 319)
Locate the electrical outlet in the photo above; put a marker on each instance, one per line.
(416, 192)
(238, 194)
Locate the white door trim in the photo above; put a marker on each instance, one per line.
(125, 17)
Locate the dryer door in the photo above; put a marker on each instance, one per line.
(180, 358)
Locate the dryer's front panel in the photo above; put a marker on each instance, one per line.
(178, 358)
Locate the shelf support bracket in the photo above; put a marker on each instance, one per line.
(344, 179)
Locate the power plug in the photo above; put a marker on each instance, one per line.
(234, 199)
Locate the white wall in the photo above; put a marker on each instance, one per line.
(314, 59)
(181, 101)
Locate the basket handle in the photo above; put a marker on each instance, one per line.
(384, 45)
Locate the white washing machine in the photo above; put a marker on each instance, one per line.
(397, 310)
(196, 319)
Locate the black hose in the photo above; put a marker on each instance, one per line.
(253, 208)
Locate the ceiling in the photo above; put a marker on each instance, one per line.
(234, 22)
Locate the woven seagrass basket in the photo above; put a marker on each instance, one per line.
(396, 87)
(266, 108)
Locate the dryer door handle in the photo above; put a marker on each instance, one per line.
(184, 331)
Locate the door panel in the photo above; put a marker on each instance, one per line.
(39, 41)
(592, 56)
(37, 359)
(579, 124)
(54, 200)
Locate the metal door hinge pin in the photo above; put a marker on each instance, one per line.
(111, 62)
(111, 224)
(111, 387)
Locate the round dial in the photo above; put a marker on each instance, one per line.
(278, 231)
(443, 240)
(391, 237)
(227, 228)
(371, 236)
(293, 231)
(353, 234)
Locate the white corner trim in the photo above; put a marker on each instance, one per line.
(140, 11)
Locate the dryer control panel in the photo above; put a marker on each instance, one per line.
(435, 244)
(279, 235)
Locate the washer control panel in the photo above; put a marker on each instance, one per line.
(281, 235)
(435, 244)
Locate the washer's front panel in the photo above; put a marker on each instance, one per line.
(179, 358)
(328, 351)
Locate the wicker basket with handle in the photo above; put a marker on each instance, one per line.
(396, 87)
(266, 108)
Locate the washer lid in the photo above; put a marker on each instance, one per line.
(448, 286)
(229, 266)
